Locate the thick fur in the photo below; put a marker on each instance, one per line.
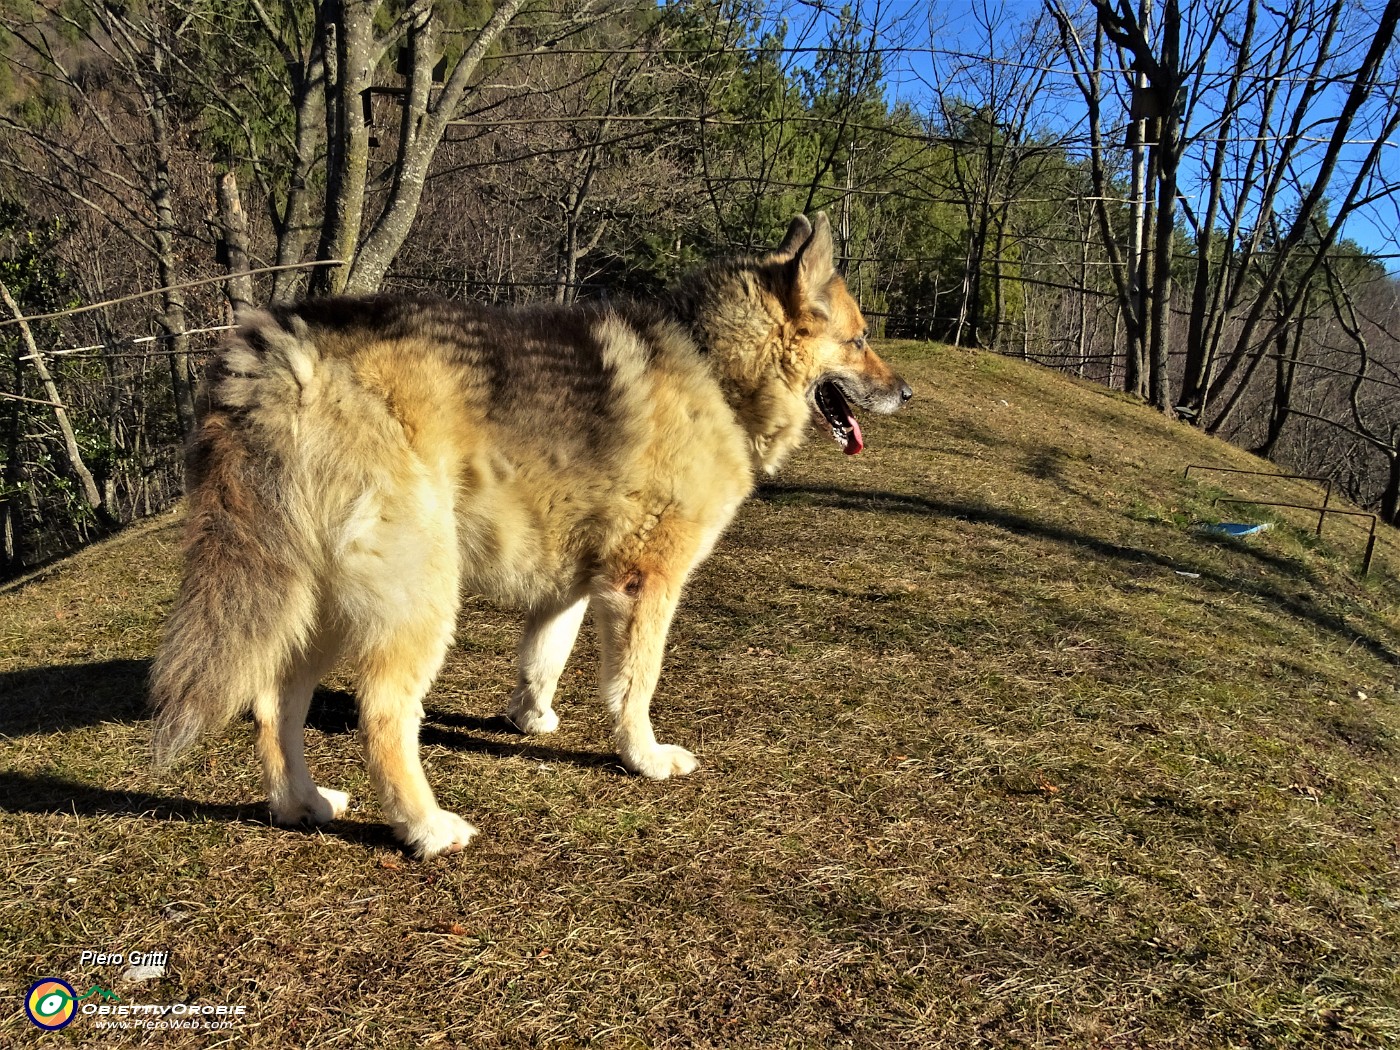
(359, 463)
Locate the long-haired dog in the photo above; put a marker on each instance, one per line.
(359, 463)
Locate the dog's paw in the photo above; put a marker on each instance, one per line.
(440, 832)
(337, 801)
(661, 761)
(534, 722)
(327, 805)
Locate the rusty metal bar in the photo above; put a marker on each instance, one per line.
(1258, 473)
(1323, 511)
(1326, 495)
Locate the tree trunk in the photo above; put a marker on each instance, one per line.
(965, 303)
(91, 495)
(1136, 375)
(1124, 267)
(1082, 340)
(239, 285)
(1390, 498)
(172, 300)
(998, 299)
(348, 42)
(1139, 224)
(293, 222)
(369, 264)
(12, 553)
(1285, 368)
(1200, 356)
(1159, 385)
(1168, 158)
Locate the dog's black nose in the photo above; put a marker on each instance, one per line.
(905, 391)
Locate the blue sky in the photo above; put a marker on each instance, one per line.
(968, 45)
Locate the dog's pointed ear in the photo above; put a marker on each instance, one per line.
(798, 232)
(814, 267)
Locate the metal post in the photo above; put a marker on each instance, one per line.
(1322, 511)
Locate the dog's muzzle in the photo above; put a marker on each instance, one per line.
(833, 398)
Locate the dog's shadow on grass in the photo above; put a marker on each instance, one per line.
(333, 711)
(47, 701)
(69, 696)
(47, 794)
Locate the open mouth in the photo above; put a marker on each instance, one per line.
(837, 413)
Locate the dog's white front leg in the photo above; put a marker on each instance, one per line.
(634, 615)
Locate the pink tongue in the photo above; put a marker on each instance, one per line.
(854, 442)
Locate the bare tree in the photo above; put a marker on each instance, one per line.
(1126, 265)
(118, 164)
(92, 496)
(1370, 100)
(348, 31)
(1277, 117)
(1165, 66)
(986, 110)
(1370, 414)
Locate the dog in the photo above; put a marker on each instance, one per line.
(359, 463)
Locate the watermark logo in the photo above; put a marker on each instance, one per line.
(51, 1003)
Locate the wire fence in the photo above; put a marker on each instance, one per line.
(1073, 355)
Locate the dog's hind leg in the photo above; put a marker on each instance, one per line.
(280, 715)
(395, 675)
(397, 589)
(544, 649)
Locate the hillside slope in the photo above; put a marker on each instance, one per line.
(996, 750)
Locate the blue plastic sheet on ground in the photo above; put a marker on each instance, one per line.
(1236, 529)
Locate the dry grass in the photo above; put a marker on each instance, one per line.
(980, 768)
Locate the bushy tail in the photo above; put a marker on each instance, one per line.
(247, 600)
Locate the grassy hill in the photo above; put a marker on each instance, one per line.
(997, 750)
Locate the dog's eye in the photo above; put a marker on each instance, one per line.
(858, 343)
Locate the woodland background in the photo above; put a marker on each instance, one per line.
(1189, 202)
